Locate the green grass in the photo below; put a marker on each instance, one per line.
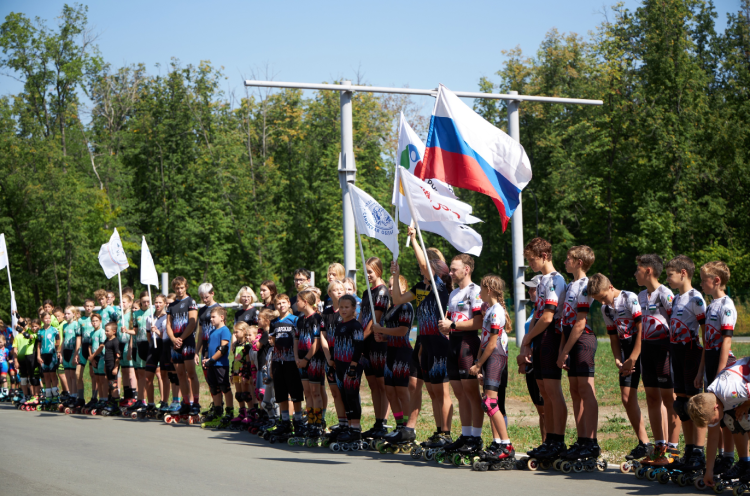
(616, 436)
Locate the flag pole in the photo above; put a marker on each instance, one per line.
(122, 315)
(407, 193)
(362, 254)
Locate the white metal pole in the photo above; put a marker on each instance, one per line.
(362, 254)
(164, 283)
(347, 174)
(122, 313)
(516, 229)
(414, 220)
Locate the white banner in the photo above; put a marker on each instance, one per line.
(112, 256)
(431, 206)
(3, 252)
(148, 269)
(373, 220)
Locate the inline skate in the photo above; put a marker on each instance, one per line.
(402, 440)
(236, 423)
(635, 459)
(495, 457)
(542, 457)
(581, 457)
(349, 440)
(211, 417)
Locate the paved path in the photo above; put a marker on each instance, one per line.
(54, 454)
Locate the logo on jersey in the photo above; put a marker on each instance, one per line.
(634, 301)
(728, 313)
(699, 302)
(585, 292)
(670, 298)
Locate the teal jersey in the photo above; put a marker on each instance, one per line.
(84, 323)
(141, 328)
(97, 339)
(71, 330)
(47, 338)
(126, 323)
(109, 314)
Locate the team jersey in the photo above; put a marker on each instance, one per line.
(549, 293)
(123, 337)
(577, 300)
(464, 303)
(47, 338)
(204, 321)
(8, 333)
(688, 314)
(179, 312)
(219, 335)
(284, 330)
(656, 307)
(24, 346)
(731, 385)
(71, 330)
(350, 341)
(428, 314)
(381, 299)
(139, 322)
(622, 316)
(494, 323)
(306, 332)
(97, 339)
(86, 329)
(721, 317)
(109, 314)
(161, 326)
(331, 318)
(399, 316)
(4, 355)
(250, 316)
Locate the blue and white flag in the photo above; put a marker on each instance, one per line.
(373, 220)
(112, 256)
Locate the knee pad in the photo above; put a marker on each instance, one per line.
(239, 396)
(112, 385)
(247, 397)
(735, 425)
(680, 408)
(490, 406)
(173, 378)
(24, 381)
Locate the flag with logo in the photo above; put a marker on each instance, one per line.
(112, 256)
(373, 220)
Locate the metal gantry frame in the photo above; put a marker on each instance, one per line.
(348, 167)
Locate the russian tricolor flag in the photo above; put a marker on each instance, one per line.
(466, 151)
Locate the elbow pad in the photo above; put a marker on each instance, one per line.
(224, 349)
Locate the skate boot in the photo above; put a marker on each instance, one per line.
(401, 440)
(692, 470)
(445, 453)
(469, 452)
(585, 457)
(543, 456)
(496, 457)
(236, 423)
(281, 433)
(731, 476)
(351, 440)
(112, 409)
(742, 485)
(131, 411)
(300, 429)
(226, 420)
(722, 464)
(211, 419)
(162, 410)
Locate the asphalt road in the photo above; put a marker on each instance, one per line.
(55, 454)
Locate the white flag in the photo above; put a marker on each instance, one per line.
(373, 220)
(112, 256)
(431, 206)
(148, 269)
(462, 237)
(410, 153)
(3, 252)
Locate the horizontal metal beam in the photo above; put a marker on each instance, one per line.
(410, 91)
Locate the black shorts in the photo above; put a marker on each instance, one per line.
(109, 369)
(159, 356)
(439, 359)
(185, 353)
(533, 388)
(501, 392)
(656, 364)
(376, 355)
(398, 366)
(315, 370)
(686, 360)
(68, 358)
(286, 382)
(493, 369)
(632, 380)
(415, 367)
(26, 366)
(217, 378)
(143, 349)
(545, 353)
(582, 357)
(331, 375)
(468, 354)
(712, 365)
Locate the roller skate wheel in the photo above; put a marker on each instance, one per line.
(134, 415)
(557, 464)
(739, 490)
(326, 443)
(68, 411)
(335, 447)
(718, 488)
(577, 467)
(345, 447)
(680, 480)
(167, 419)
(699, 484)
(625, 468)
(429, 455)
(532, 464)
(456, 459)
(663, 477)
(94, 412)
(601, 464)
(545, 465)
(415, 454)
(565, 467)
(310, 443)
(439, 457)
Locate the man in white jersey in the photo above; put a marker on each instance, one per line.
(622, 316)
(545, 333)
(685, 327)
(726, 401)
(463, 321)
(656, 364)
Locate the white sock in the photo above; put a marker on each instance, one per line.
(47, 392)
(476, 431)
(728, 454)
(55, 391)
(465, 431)
(661, 441)
(497, 440)
(505, 441)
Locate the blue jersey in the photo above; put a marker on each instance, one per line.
(47, 338)
(4, 355)
(214, 343)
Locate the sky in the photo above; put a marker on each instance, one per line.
(388, 43)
